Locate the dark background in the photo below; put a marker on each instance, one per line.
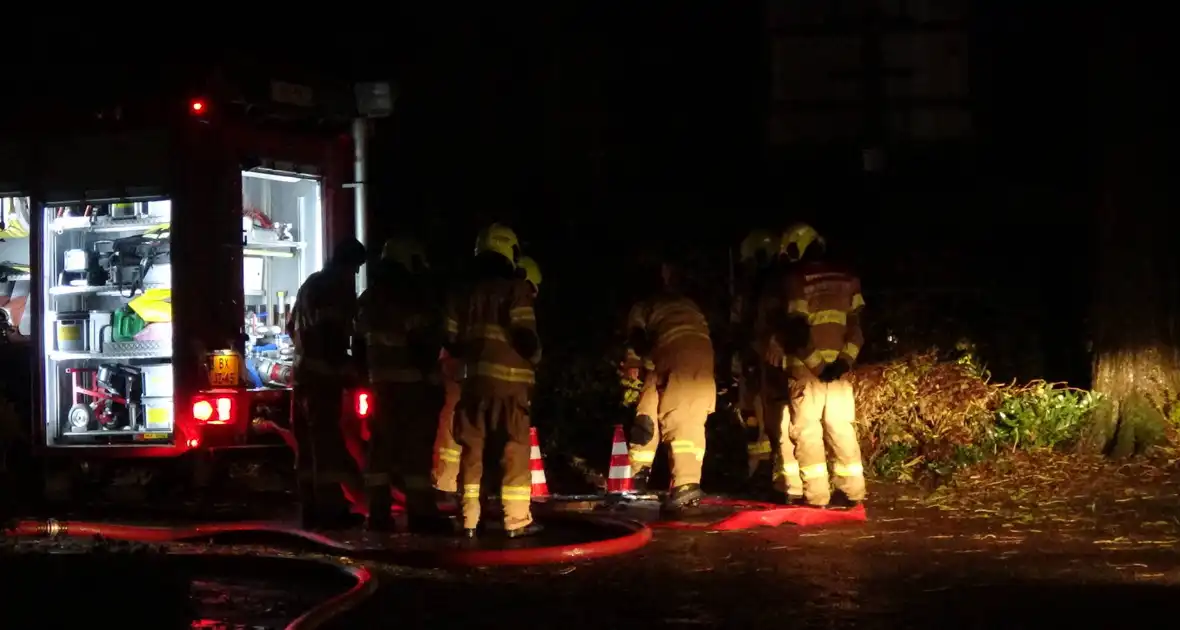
(609, 133)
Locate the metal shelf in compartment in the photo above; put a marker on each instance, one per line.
(121, 350)
(104, 290)
(107, 224)
(275, 244)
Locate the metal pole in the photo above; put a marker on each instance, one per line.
(360, 133)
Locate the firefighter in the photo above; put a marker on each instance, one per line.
(813, 318)
(321, 327)
(679, 390)
(401, 322)
(493, 330)
(759, 251)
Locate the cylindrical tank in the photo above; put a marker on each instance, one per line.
(275, 372)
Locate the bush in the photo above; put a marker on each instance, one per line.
(924, 417)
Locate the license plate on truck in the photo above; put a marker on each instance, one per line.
(225, 370)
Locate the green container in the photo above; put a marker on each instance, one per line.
(126, 324)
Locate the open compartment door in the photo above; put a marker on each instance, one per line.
(282, 244)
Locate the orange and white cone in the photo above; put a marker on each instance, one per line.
(537, 467)
(619, 480)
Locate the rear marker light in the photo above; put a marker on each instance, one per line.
(363, 404)
(219, 410)
(202, 410)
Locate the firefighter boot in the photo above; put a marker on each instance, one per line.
(528, 530)
(380, 510)
(683, 497)
(840, 501)
(639, 480)
(307, 505)
(760, 484)
(446, 502)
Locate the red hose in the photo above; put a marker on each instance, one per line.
(139, 533)
(366, 585)
(635, 535)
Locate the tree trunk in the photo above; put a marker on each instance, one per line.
(1136, 358)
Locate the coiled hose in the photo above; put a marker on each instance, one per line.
(630, 536)
(365, 586)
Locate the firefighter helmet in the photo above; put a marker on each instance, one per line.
(349, 253)
(531, 271)
(796, 240)
(407, 252)
(500, 239)
(759, 245)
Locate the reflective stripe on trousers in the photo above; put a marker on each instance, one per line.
(826, 410)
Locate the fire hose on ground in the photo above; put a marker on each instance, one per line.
(633, 537)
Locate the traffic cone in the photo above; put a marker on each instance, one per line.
(619, 480)
(537, 467)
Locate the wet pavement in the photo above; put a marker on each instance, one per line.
(910, 567)
(1032, 545)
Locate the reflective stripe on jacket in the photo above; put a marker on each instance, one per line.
(402, 329)
(830, 299)
(671, 323)
(482, 323)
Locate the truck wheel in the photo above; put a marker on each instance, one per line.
(80, 419)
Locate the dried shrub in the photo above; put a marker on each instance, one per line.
(922, 417)
(919, 414)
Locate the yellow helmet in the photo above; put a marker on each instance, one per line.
(532, 272)
(759, 242)
(500, 239)
(796, 240)
(406, 252)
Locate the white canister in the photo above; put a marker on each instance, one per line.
(100, 330)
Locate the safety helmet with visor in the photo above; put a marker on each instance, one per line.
(759, 246)
(500, 239)
(798, 239)
(528, 269)
(407, 252)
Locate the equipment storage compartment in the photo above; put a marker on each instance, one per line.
(108, 336)
(282, 244)
(15, 284)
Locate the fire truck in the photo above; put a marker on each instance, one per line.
(166, 244)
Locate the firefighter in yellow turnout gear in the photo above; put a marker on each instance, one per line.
(679, 392)
(401, 322)
(321, 327)
(813, 318)
(759, 250)
(492, 328)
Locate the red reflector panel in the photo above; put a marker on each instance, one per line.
(364, 401)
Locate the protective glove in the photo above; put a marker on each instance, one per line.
(774, 354)
(835, 370)
(752, 429)
(796, 334)
(643, 429)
